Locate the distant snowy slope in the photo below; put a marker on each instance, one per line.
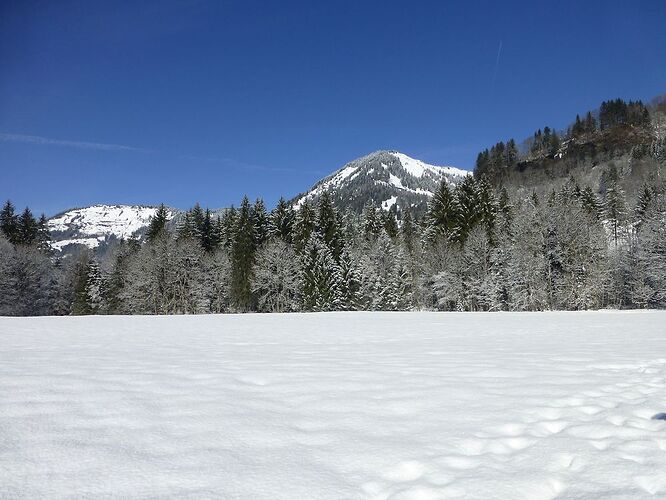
(384, 178)
(90, 226)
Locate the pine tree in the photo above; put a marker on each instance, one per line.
(372, 224)
(9, 223)
(645, 197)
(157, 223)
(185, 228)
(304, 225)
(349, 283)
(260, 221)
(81, 305)
(467, 196)
(442, 214)
(389, 222)
(94, 289)
(208, 234)
(615, 208)
(590, 125)
(328, 225)
(229, 227)
(43, 235)
(282, 221)
(242, 258)
(408, 231)
(28, 230)
(511, 153)
(319, 285)
(590, 203)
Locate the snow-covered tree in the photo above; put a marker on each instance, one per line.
(276, 277)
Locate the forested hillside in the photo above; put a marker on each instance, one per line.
(566, 221)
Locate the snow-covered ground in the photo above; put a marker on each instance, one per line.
(338, 405)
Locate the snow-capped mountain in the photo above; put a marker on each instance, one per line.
(385, 178)
(92, 226)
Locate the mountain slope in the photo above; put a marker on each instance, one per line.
(97, 224)
(385, 178)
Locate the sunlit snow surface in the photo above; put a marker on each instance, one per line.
(93, 224)
(339, 405)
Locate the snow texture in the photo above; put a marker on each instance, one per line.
(334, 405)
(387, 204)
(411, 166)
(417, 168)
(93, 224)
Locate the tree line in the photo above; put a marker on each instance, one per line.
(547, 143)
(478, 248)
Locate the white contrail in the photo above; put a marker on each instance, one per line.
(35, 139)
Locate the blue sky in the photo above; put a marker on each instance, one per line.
(179, 101)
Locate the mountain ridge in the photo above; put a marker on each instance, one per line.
(386, 178)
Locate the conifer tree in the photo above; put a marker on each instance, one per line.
(372, 224)
(408, 231)
(590, 203)
(208, 236)
(28, 230)
(281, 221)
(389, 222)
(442, 213)
(615, 208)
(9, 223)
(260, 222)
(319, 280)
(242, 257)
(157, 223)
(304, 225)
(328, 225)
(43, 234)
(229, 227)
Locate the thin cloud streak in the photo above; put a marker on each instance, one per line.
(47, 141)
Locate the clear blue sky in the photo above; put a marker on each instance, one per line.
(179, 101)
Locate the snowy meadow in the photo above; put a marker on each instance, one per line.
(334, 405)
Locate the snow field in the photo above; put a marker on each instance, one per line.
(334, 405)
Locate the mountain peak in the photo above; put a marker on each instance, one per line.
(384, 178)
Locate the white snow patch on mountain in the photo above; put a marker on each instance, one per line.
(91, 225)
(387, 204)
(335, 405)
(418, 168)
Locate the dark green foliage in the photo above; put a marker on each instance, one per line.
(282, 221)
(408, 231)
(443, 211)
(372, 222)
(389, 222)
(618, 112)
(157, 223)
(23, 229)
(9, 222)
(328, 225)
(304, 225)
(242, 257)
(260, 221)
(43, 235)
